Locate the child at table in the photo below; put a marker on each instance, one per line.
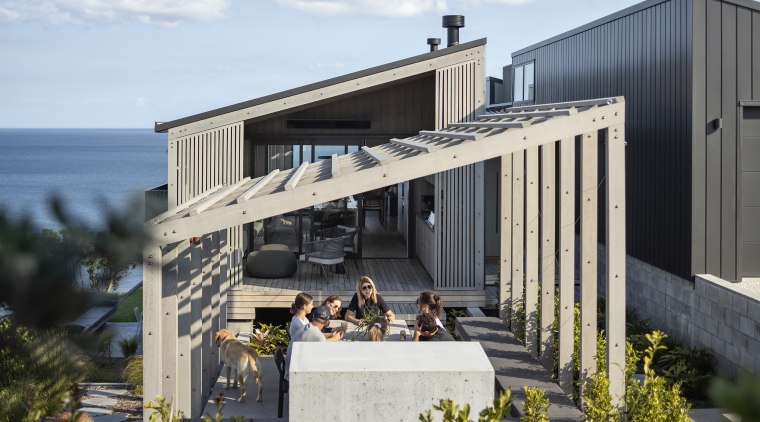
(378, 329)
(428, 330)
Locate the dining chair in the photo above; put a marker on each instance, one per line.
(279, 360)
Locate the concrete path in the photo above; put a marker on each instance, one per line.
(99, 404)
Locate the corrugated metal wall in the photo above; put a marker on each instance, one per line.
(459, 230)
(726, 71)
(643, 56)
(199, 162)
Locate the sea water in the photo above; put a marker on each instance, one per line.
(90, 169)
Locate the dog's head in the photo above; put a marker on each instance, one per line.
(260, 337)
(222, 335)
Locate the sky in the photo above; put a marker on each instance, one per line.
(130, 63)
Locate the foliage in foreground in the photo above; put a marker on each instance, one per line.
(452, 412)
(164, 411)
(37, 371)
(741, 398)
(536, 406)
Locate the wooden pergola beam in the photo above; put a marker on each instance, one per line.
(531, 114)
(334, 166)
(452, 135)
(377, 156)
(182, 207)
(257, 186)
(208, 203)
(417, 146)
(296, 176)
(491, 125)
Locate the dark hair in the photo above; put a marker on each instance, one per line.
(426, 322)
(378, 328)
(330, 299)
(302, 299)
(432, 300)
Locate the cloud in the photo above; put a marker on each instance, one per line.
(387, 8)
(98, 12)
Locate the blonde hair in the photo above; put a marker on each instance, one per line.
(378, 329)
(360, 297)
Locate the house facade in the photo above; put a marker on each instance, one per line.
(690, 74)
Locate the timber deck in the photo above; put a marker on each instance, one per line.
(399, 281)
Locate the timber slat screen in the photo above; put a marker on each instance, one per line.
(529, 168)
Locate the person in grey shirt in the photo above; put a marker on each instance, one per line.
(320, 319)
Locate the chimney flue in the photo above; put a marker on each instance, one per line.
(452, 23)
(433, 43)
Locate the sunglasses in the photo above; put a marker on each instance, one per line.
(367, 287)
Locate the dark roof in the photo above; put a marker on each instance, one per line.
(750, 4)
(164, 126)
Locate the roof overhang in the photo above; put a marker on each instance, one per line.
(330, 88)
(460, 144)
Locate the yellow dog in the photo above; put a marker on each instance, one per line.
(241, 357)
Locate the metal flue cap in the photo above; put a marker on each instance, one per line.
(453, 21)
(433, 43)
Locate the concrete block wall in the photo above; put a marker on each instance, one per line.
(708, 312)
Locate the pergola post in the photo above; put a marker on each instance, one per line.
(184, 365)
(589, 244)
(152, 339)
(531, 251)
(216, 324)
(207, 340)
(616, 257)
(196, 328)
(169, 323)
(518, 231)
(566, 262)
(505, 230)
(224, 281)
(548, 267)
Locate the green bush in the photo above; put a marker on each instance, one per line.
(535, 406)
(451, 319)
(129, 346)
(277, 338)
(133, 373)
(452, 412)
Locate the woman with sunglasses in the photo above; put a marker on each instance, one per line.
(333, 302)
(366, 300)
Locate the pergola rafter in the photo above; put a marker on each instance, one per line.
(527, 139)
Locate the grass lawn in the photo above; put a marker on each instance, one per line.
(125, 311)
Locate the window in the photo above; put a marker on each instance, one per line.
(524, 83)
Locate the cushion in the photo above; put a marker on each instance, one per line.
(271, 264)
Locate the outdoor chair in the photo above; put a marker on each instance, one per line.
(279, 360)
(325, 252)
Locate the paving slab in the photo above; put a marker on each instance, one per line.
(107, 393)
(116, 417)
(98, 401)
(515, 367)
(95, 411)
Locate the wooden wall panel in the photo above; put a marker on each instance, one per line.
(459, 203)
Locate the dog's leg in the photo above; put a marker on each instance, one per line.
(260, 385)
(241, 378)
(229, 369)
(237, 374)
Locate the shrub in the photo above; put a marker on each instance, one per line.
(451, 319)
(742, 398)
(133, 373)
(452, 412)
(536, 406)
(164, 411)
(277, 338)
(129, 346)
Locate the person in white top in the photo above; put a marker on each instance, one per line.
(320, 319)
(301, 306)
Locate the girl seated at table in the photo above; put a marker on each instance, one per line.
(378, 329)
(301, 306)
(428, 330)
(366, 301)
(429, 303)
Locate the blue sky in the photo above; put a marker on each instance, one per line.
(129, 63)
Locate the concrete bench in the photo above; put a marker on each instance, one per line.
(515, 367)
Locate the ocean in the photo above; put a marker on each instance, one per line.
(86, 167)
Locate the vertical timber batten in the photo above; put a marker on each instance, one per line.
(518, 235)
(616, 253)
(566, 262)
(505, 230)
(531, 251)
(169, 324)
(152, 338)
(548, 226)
(588, 252)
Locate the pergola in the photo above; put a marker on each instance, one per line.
(186, 285)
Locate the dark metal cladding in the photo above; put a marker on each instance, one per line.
(434, 43)
(452, 23)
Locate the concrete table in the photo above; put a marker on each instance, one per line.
(386, 381)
